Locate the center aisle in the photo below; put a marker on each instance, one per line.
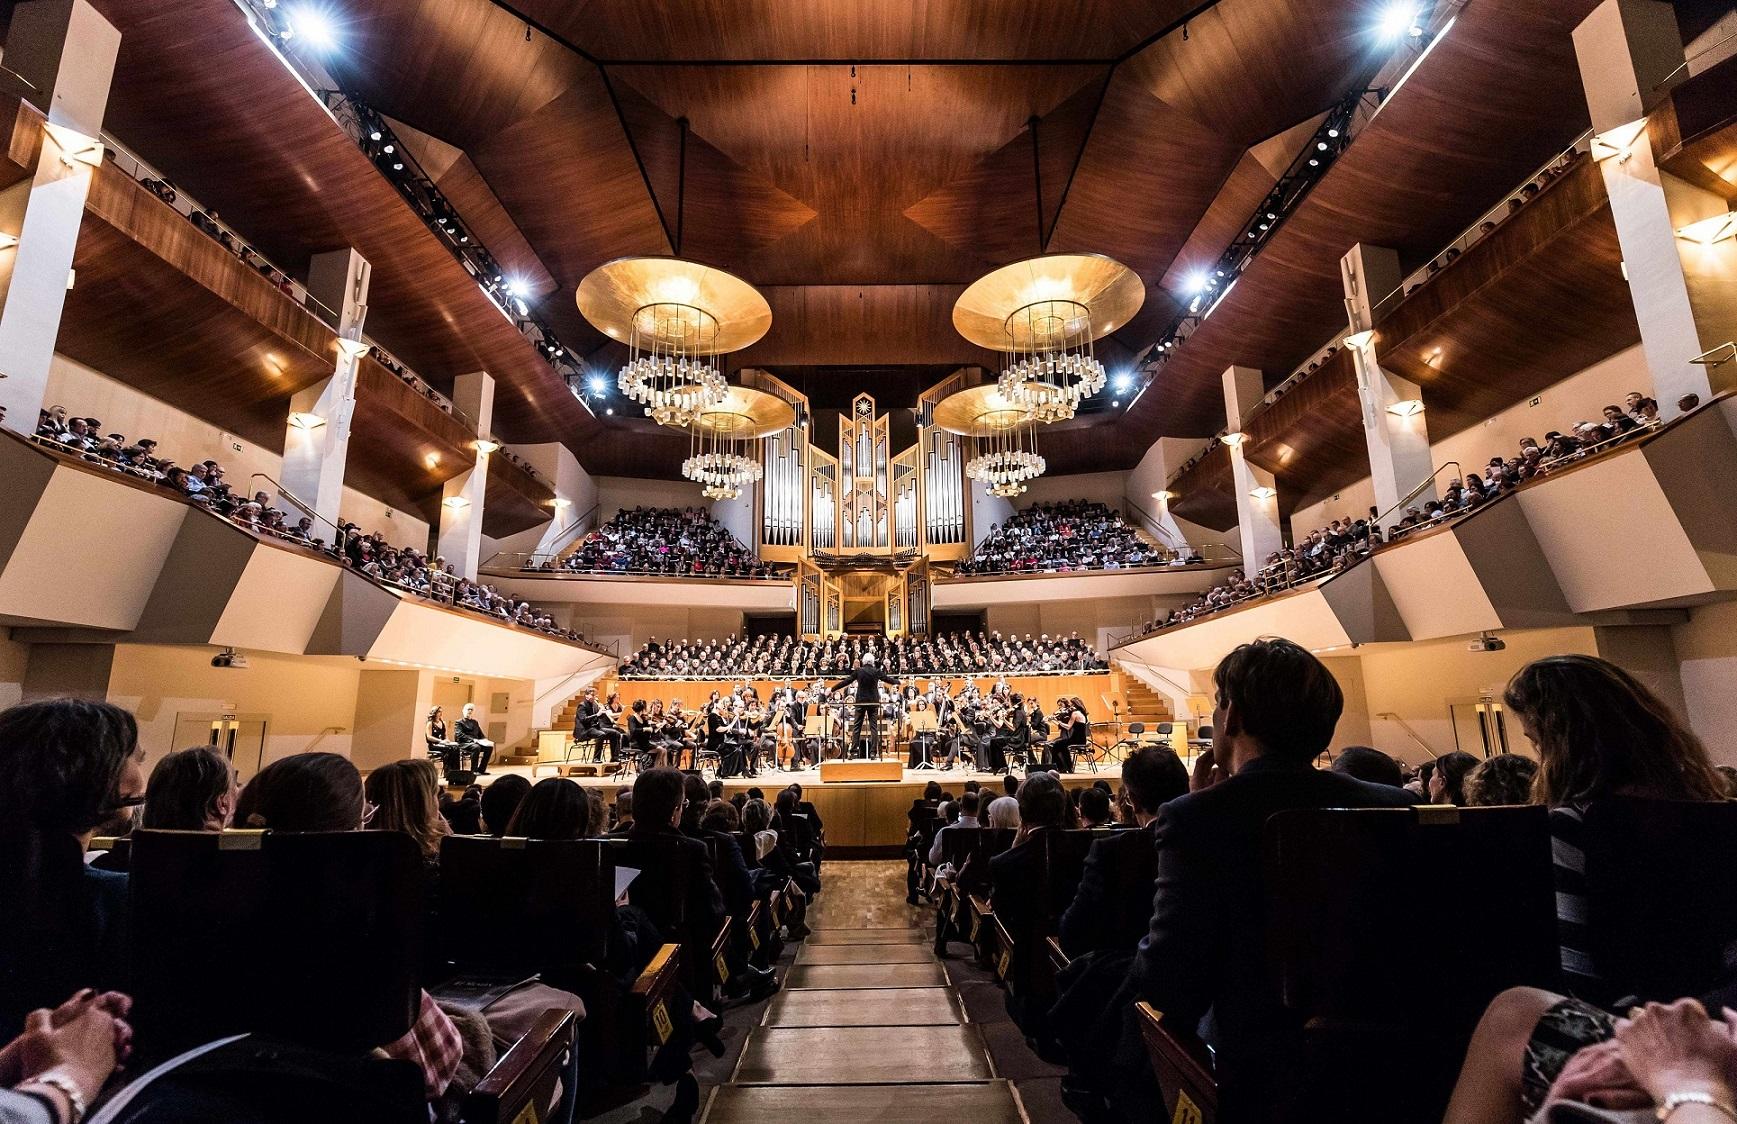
(870, 1024)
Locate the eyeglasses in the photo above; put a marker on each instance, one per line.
(368, 810)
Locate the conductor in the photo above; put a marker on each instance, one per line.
(868, 679)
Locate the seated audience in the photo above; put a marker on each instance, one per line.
(1369, 764)
(404, 797)
(1049, 538)
(1506, 778)
(463, 816)
(191, 790)
(554, 808)
(1153, 776)
(1275, 710)
(663, 541)
(1447, 783)
(500, 801)
(68, 767)
(62, 1059)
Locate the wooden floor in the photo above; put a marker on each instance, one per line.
(869, 1025)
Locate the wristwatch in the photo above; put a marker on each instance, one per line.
(1674, 1101)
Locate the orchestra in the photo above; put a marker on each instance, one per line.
(798, 726)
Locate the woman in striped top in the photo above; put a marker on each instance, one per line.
(1599, 733)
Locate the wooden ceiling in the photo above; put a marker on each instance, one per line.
(861, 161)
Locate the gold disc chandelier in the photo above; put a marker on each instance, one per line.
(678, 319)
(1045, 314)
(722, 458)
(1005, 458)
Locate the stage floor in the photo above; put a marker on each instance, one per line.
(857, 814)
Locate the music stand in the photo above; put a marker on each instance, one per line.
(813, 732)
(924, 727)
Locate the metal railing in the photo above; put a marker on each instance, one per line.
(548, 564)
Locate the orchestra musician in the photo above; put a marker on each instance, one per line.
(1012, 734)
(868, 679)
(640, 734)
(593, 721)
(1072, 730)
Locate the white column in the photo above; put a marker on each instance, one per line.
(1393, 420)
(1257, 515)
(317, 437)
(1630, 54)
(66, 51)
(461, 501)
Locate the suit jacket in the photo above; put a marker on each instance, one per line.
(590, 714)
(734, 881)
(1090, 922)
(1206, 946)
(868, 681)
(703, 907)
(1016, 881)
(467, 730)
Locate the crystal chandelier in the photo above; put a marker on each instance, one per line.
(723, 455)
(672, 368)
(1051, 366)
(1007, 458)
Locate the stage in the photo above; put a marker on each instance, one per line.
(861, 817)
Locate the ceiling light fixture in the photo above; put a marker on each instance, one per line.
(1396, 21)
(1263, 493)
(1234, 438)
(484, 446)
(303, 419)
(1406, 408)
(1710, 230)
(723, 456)
(1003, 437)
(315, 27)
(455, 502)
(353, 349)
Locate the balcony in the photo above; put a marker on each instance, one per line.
(163, 570)
(1561, 551)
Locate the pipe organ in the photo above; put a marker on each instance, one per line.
(832, 507)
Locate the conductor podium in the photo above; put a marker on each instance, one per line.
(834, 771)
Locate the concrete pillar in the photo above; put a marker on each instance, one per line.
(74, 671)
(66, 51)
(1257, 515)
(1393, 419)
(317, 437)
(461, 501)
(1684, 291)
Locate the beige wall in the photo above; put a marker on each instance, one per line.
(13, 657)
(629, 626)
(185, 439)
(390, 709)
(617, 492)
(1579, 397)
(1104, 487)
(1095, 619)
(308, 703)
(1707, 646)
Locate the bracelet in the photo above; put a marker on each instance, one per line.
(68, 1088)
(1677, 1100)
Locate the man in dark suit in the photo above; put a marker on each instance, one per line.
(468, 733)
(868, 679)
(1204, 954)
(592, 721)
(1153, 775)
(657, 810)
(1016, 874)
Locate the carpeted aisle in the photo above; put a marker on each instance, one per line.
(871, 1026)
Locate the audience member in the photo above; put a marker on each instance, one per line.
(1506, 778)
(1369, 764)
(404, 797)
(663, 541)
(1049, 538)
(191, 790)
(1153, 776)
(501, 800)
(1447, 783)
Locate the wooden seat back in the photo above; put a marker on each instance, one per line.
(311, 938)
(525, 905)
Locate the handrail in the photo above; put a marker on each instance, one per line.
(1170, 540)
(1381, 519)
(557, 570)
(594, 672)
(1231, 553)
(306, 509)
(1389, 716)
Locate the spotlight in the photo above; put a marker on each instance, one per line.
(1396, 21)
(374, 134)
(398, 166)
(1117, 403)
(1195, 283)
(609, 412)
(1333, 132)
(1322, 145)
(389, 149)
(315, 27)
(1122, 383)
(1314, 163)
(597, 385)
(516, 287)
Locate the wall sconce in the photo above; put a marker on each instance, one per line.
(560, 502)
(1263, 492)
(1234, 439)
(432, 460)
(1361, 339)
(484, 446)
(8, 241)
(1406, 408)
(455, 502)
(302, 419)
(1708, 231)
(75, 147)
(1164, 495)
(1617, 141)
(353, 349)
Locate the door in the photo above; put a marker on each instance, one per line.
(239, 737)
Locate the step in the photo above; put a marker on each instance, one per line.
(802, 977)
(863, 1055)
(864, 954)
(989, 1102)
(863, 936)
(886, 1006)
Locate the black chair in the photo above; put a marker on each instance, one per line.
(1350, 889)
(1660, 921)
(314, 939)
(664, 897)
(525, 906)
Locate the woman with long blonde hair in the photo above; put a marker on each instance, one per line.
(405, 795)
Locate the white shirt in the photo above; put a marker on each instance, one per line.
(935, 847)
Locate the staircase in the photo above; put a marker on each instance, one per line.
(1140, 703)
